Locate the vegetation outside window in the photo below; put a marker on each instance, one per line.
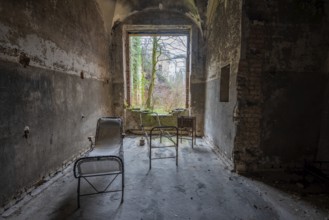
(157, 71)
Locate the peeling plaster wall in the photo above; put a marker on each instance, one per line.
(222, 48)
(126, 8)
(43, 31)
(59, 94)
(155, 18)
(107, 8)
(281, 84)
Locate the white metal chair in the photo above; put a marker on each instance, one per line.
(104, 159)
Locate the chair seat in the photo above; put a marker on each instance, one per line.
(106, 150)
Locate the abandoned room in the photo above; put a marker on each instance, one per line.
(240, 87)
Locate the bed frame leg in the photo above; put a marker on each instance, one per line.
(150, 153)
(78, 191)
(122, 183)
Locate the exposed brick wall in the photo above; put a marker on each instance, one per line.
(280, 85)
(249, 110)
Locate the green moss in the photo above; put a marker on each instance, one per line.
(150, 120)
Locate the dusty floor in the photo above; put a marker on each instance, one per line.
(201, 187)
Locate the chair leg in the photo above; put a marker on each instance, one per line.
(176, 155)
(180, 137)
(150, 156)
(192, 137)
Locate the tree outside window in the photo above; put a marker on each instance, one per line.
(158, 71)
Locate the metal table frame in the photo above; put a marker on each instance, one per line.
(172, 138)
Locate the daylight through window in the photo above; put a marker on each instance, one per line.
(157, 71)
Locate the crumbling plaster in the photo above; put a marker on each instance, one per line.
(28, 32)
(224, 31)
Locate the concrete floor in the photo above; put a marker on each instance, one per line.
(201, 187)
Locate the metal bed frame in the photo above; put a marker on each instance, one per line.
(105, 158)
(160, 131)
(146, 112)
(163, 129)
(155, 115)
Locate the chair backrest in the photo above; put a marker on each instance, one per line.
(108, 132)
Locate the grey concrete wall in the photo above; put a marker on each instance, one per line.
(223, 44)
(156, 17)
(54, 78)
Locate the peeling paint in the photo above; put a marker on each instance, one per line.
(46, 54)
(124, 9)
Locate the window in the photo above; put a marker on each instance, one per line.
(157, 76)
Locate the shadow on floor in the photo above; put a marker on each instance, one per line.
(308, 189)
